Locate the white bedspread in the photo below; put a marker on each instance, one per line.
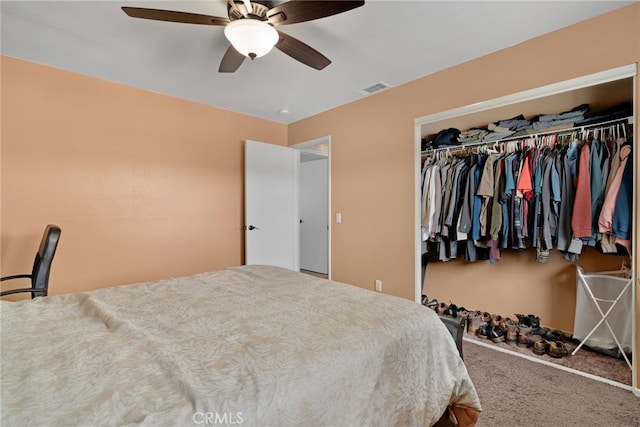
(254, 345)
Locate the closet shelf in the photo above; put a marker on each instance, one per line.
(569, 130)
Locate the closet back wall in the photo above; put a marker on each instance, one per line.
(144, 186)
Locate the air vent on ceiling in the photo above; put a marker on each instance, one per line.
(375, 88)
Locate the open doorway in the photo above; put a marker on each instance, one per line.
(314, 206)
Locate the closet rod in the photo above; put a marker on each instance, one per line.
(628, 119)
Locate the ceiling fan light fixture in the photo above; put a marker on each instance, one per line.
(251, 37)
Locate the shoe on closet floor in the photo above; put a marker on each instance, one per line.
(451, 310)
(506, 323)
(485, 324)
(540, 345)
(535, 321)
(441, 308)
(554, 335)
(557, 349)
(523, 320)
(463, 312)
(528, 320)
(543, 332)
(496, 319)
(474, 322)
(432, 304)
(511, 337)
(524, 337)
(495, 334)
(483, 330)
(511, 334)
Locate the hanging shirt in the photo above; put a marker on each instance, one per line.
(547, 204)
(621, 226)
(608, 207)
(496, 209)
(597, 171)
(485, 192)
(581, 218)
(477, 202)
(565, 233)
(467, 202)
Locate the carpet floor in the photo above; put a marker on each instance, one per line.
(516, 392)
(585, 360)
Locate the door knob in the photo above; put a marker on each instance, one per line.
(251, 228)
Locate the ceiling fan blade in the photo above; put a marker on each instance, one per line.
(174, 16)
(301, 52)
(295, 11)
(267, 3)
(231, 61)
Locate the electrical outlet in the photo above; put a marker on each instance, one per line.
(378, 285)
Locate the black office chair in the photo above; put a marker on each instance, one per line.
(41, 265)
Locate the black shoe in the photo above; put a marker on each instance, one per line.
(554, 335)
(452, 310)
(496, 334)
(540, 331)
(523, 320)
(535, 321)
(483, 331)
(431, 304)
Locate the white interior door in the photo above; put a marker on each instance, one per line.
(271, 205)
(314, 230)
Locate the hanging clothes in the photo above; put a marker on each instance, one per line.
(554, 192)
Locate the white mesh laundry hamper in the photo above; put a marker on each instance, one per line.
(604, 315)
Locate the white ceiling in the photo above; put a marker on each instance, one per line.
(383, 41)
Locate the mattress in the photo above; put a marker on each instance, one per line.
(250, 345)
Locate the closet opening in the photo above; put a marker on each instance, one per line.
(525, 279)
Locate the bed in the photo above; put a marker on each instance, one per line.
(249, 345)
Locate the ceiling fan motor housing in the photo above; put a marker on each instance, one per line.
(239, 11)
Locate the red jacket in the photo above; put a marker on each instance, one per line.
(581, 220)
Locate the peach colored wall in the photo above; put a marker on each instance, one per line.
(144, 186)
(373, 164)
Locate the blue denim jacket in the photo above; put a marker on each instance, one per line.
(621, 225)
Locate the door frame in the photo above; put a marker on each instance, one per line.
(306, 146)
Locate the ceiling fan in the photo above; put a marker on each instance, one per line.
(250, 27)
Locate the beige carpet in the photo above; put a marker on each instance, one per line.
(515, 392)
(585, 360)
